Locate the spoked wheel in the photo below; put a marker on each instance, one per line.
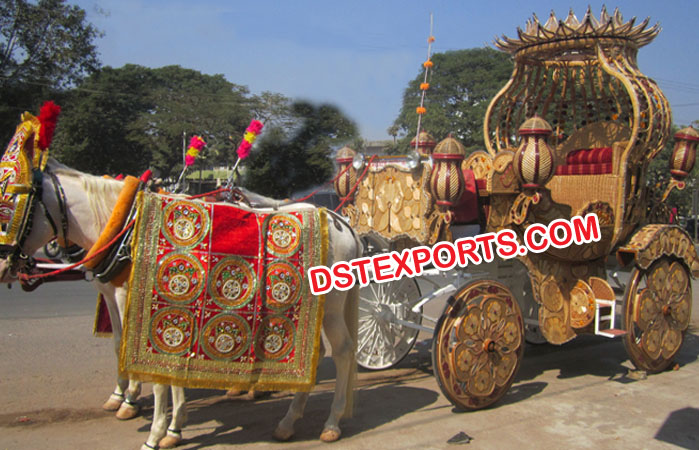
(478, 345)
(657, 310)
(383, 342)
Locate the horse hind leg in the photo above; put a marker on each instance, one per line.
(179, 417)
(340, 327)
(285, 428)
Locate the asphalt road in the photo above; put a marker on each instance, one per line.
(54, 375)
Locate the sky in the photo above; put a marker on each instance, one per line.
(360, 55)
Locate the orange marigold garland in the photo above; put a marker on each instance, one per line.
(424, 86)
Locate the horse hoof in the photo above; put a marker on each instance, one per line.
(169, 441)
(330, 435)
(112, 404)
(282, 435)
(127, 411)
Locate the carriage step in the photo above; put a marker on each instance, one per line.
(611, 332)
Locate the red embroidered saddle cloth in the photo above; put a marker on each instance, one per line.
(219, 296)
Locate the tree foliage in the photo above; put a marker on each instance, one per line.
(44, 46)
(297, 156)
(128, 119)
(462, 83)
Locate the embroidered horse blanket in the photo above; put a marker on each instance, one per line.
(219, 296)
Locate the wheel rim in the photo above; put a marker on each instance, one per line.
(382, 342)
(657, 311)
(478, 345)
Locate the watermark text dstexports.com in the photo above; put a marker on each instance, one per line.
(446, 255)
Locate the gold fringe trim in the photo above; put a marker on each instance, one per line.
(125, 323)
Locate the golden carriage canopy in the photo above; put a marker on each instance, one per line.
(582, 77)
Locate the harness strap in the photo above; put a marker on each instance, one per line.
(61, 200)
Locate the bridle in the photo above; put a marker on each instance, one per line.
(17, 259)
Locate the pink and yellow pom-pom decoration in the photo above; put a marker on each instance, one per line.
(195, 146)
(251, 133)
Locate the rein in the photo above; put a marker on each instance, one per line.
(23, 276)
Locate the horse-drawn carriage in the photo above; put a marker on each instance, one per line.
(589, 122)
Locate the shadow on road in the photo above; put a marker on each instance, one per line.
(680, 428)
(253, 422)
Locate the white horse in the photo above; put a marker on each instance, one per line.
(89, 201)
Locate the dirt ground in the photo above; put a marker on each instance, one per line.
(55, 375)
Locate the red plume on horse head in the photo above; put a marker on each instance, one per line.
(48, 116)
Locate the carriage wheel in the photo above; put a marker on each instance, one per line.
(383, 343)
(478, 345)
(657, 310)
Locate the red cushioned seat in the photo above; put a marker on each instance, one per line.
(592, 161)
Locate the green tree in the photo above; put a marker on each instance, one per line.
(44, 46)
(187, 102)
(462, 83)
(97, 131)
(294, 157)
(128, 119)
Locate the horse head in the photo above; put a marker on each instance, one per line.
(24, 228)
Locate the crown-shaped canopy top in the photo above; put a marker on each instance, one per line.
(571, 32)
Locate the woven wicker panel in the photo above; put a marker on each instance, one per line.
(393, 203)
(579, 190)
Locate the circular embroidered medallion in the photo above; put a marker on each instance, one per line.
(226, 336)
(180, 278)
(171, 330)
(185, 223)
(275, 338)
(283, 235)
(232, 282)
(282, 285)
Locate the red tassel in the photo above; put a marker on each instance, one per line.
(48, 116)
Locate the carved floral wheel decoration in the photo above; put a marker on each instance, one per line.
(478, 345)
(657, 310)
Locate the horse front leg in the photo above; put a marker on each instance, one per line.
(130, 407)
(179, 417)
(159, 426)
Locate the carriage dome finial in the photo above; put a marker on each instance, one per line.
(571, 31)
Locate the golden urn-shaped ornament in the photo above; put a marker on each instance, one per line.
(533, 161)
(446, 179)
(348, 175)
(684, 153)
(424, 144)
